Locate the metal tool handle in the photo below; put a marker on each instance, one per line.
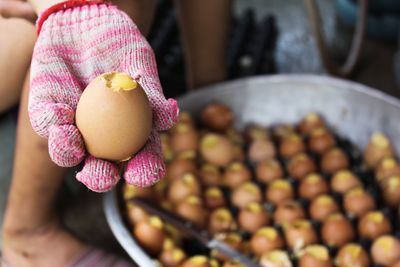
(348, 67)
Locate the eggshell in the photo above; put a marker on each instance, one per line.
(288, 211)
(191, 208)
(291, 145)
(217, 117)
(334, 160)
(315, 256)
(386, 250)
(150, 234)
(216, 149)
(337, 230)
(261, 150)
(391, 191)
(278, 191)
(197, 261)
(378, 148)
(275, 258)
(114, 117)
(184, 138)
(252, 217)
(374, 224)
(178, 167)
(255, 132)
(268, 170)
(312, 186)
(185, 186)
(299, 233)
(357, 202)
(236, 174)
(266, 239)
(172, 257)
(214, 198)
(344, 180)
(310, 122)
(387, 167)
(221, 220)
(300, 166)
(210, 175)
(232, 240)
(321, 140)
(246, 193)
(352, 255)
(136, 214)
(322, 207)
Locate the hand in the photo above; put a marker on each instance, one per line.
(73, 47)
(17, 8)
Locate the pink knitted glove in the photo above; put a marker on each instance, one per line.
(75, 46)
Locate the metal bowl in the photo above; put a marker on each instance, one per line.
(353, 110)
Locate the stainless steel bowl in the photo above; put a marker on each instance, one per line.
(353, 110)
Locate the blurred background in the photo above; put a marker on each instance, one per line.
(268, 37)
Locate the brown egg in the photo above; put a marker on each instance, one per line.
(337, 230)
(252, 217)
(150, 234)
(214, 198)
(178, 167)
(131, 191)
(378, 148)
(374, 224)
(321, 140)
(236, 174)
(323, 206)
(275, 258)
(232, 240)
(266, 239)
(315, 256)
(198, 261)
(216, 149)
(221, 220)
(397, 264)
(210, 175)
(191, 208)
(255, 132)
(216, 117)
(232, 263)
(358, 202)
(185, 117)
(283, 130)
(261, 150)
(352, 255)
(310, 122)
(291, 145)
(167, 152)
(387, 167)
(235, 136)
(238, 153)
(135, 213)
(288, 211)
(185, 186)
(299, 233)
(114, 117)
(334, 160)
(184, 138)
(301, 165)
(246, 193)
(391, 191)
(268, 170)
(173, 257)
(312, 186)
(344, 180)
(278, 191)
(386, 250)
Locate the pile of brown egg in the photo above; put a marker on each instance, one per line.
(288, 195)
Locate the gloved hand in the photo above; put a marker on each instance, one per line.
(74, 46)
